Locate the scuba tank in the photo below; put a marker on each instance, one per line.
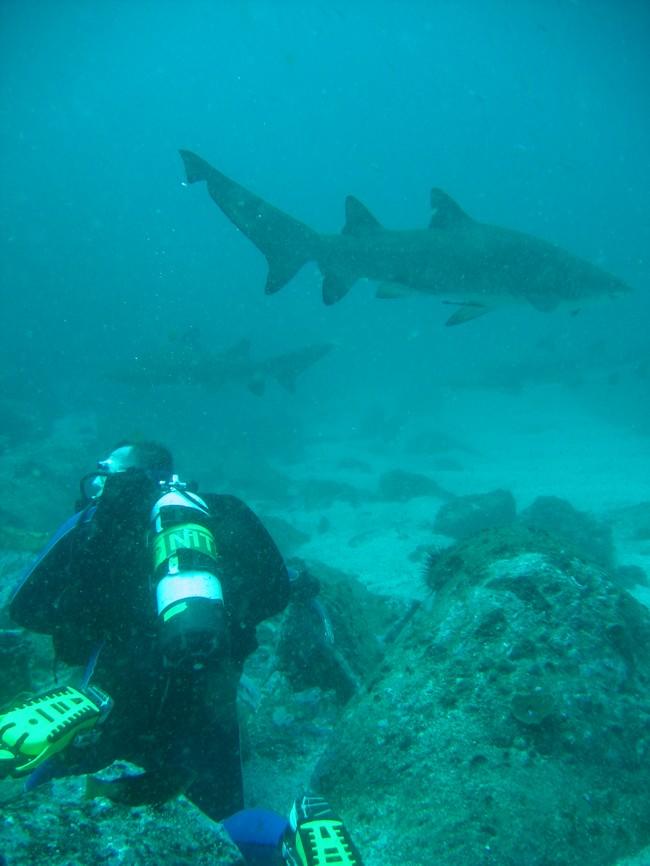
(185, 568)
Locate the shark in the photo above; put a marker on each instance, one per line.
(472, 265)
(184, 361)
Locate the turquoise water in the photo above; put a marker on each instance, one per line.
(531, 115)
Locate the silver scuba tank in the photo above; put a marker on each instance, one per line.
(185, 574)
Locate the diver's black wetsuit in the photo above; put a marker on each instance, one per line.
(95, 590)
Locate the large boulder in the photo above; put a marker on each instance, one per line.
(401, 486)
(333, 634)
(311, 660)
(632, 521)
(588, 535)
(465, 515)
(510, 722)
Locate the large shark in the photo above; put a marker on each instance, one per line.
(185, 362)
(473, 265)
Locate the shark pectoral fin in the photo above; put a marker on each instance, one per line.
(447, 213)
(466, 312)
(543, 303)
(390, 291)
(358, 219)
(335, 287)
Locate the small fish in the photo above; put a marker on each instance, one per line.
(149, 788)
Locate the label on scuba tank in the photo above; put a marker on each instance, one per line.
(187, 536)
(189, 584)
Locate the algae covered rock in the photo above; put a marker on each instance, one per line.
(284, 533)
(400, 486)
(323, 492)
(331, 636)
(311, 660)
(58, 826)
(629, 576)
(465, 515)
(632, 521)
(510, 722)
(590, 536)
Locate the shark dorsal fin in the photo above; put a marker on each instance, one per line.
(447, 214)
(358, 219)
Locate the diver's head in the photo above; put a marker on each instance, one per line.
(149, 459)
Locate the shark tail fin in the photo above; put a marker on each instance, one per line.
(286, 243)
(195, 168)
(285, 263)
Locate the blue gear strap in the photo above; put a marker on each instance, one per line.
(258, 835)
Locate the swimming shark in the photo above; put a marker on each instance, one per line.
(185, 362)
(473, 265)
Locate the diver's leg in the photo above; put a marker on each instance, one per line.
(197, 728)
(218, 788)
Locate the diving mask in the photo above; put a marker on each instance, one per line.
(92, 484)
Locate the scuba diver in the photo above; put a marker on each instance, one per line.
(155, 591)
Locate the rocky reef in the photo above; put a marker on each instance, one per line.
(559, 518)
(58, 825)
(504, 722)
(509, 724)
(465, 515)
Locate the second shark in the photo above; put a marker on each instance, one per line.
(185, 362)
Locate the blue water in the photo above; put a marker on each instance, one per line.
(532, 115)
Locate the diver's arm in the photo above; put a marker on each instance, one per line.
(255, 574)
